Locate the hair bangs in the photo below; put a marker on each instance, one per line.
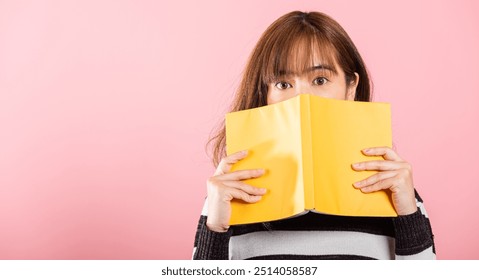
(298, 51)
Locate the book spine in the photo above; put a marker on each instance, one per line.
(306, 150)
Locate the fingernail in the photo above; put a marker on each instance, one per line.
(355, 165)
(366, 150)
(357, 184)
(244, 152)
(263, 190)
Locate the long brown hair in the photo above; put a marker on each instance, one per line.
(289, 44)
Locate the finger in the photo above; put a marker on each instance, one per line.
(381, 185)
(245, 187)
(386, 152)
(375, 178)
(241, 175)
(379, 165)
(227, 162)
(241, 195)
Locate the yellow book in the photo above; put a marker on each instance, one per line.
(307, 145)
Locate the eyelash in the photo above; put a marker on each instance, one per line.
(326, 80)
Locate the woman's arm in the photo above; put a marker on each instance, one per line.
(414, 237)
(213, 233)
(210, 245)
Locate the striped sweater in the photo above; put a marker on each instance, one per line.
(320, 236)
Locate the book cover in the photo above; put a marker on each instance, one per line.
(307, 145)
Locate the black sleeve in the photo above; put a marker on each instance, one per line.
(414, 232)
(210, 245)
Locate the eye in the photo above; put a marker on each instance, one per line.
(320, 81)
(282, 85)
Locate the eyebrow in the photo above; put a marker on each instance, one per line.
(311, 69)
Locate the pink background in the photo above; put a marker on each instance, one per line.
(105, 108)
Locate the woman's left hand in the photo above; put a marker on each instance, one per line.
(393, 173)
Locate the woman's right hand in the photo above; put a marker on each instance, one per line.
(224, 186)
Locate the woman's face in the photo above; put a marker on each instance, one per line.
(321, 80)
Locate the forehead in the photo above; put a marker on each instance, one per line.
(316, 66)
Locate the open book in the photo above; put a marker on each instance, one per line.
(307, 145)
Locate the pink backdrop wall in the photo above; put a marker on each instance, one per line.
(105, 107)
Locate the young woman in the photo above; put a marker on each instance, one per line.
(310, 53)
